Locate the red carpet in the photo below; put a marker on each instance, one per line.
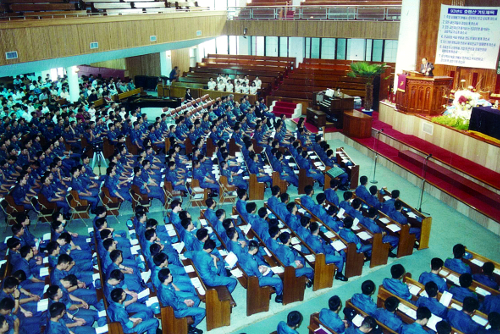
(480, 198)
(285, 108)
(467, 166)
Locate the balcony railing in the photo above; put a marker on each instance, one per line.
(337, 13)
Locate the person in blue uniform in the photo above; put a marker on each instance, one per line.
(331, 193)
(400, 218)
(433, 275)
(417, 327)
(306, 200)
(234, 179)
(32, 270)
(364, 300)
(349, 236)
(289, 257)
(138, 323)
(491, 303)
(320, 212)
(369, 222)
(319, 245)
(56, 324)
(462, 320)
(368, 325)
(115, 187)
(206, 180)
(395, 284)
(255, 266)
(372, 199)
(146, 184)
(487, 278)
(293, 321)
(5, 327)
(494, 322)
(456, 264)
(83, 192)
(330, 316)
(208, 268)
(361, 190)
(253, 168)
(388, 206)
(53, 195)
(431, 302)
(184, 304)
(463, 291)
(388, 316)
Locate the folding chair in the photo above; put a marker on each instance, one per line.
(111, 204)
(79, 207)
(227, 192)
(138, 198)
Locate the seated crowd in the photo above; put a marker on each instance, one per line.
(44, 155)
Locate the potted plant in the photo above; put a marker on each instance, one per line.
(368, 72)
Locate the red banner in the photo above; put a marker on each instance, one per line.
(402, 82)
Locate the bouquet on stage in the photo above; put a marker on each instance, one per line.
(464, 101)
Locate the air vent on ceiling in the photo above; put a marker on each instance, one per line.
(428, 128)
(11, 55)
(152, 38)
(94, 45)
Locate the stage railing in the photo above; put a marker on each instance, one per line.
(337, 13)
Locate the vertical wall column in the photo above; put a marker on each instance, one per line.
(165, 63)
(406, 58)
(74, 90)
(296, 49)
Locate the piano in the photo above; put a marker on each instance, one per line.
(333, 105)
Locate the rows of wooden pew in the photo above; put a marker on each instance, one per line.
(270, 70)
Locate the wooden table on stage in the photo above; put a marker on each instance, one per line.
(357, 124)
(424, 95)
(316, 117)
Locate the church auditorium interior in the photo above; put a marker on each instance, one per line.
(250, 166)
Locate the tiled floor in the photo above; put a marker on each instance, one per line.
(449, 227)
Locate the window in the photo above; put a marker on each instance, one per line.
(328, 48)
(221, 45)
(257, 45)
(390, 51)
(283, 49)
(271, 46)
(369, 45)
(315, 48)
(233, 45)
(356, 49)
(308, 47)
(377, 49)
(341, 48)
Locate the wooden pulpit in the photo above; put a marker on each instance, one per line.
(423, 95)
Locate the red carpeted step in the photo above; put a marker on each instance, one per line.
(467, 166)
(452, 178)
(285, 104)
(467, 197)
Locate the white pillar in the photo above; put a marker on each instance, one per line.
(165, 63)
(74, 90)
(243, 45)
(296, 48)
(406, 58)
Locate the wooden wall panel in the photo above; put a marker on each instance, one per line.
(180, 57)
(144, 65)
(430, 11)
(117, 64)
(48, 39)
(345, 29)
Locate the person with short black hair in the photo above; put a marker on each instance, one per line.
(138, 323)
(361, 190)
(417, 327)
(364, 300)
(494, 322)
(289, 257)
(293, 321)
(461, 320)
(462, 291)
(433, 275)
(6, 310)
(349, 236)
(431, 302)
(368, 325)
(184, 304)
(395, 284)
(331, 193)
(443, 327)
(487, 278)
(388, 316)
(330, 316)
(211, 272)
(56, 323)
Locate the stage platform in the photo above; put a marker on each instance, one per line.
(458, 173)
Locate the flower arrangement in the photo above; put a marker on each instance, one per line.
(464, 101)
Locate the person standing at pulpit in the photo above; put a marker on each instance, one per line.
(426, 68)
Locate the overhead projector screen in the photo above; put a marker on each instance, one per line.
(468, 36)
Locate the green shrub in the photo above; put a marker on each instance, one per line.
(459, 123)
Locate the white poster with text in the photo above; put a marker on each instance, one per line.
(468, 37)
